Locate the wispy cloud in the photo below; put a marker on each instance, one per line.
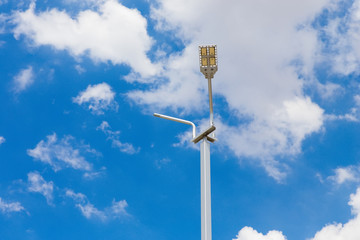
(117, 209)
(3, 19)
(2, 140)
(94, 174)
(80, 69)
(113, 136)
(159, 164)
(36, 183)
(352, 116)
(114, 33)
(23, 79)
(98, 97)
(62, 153)
(88, 210)
(8, 207)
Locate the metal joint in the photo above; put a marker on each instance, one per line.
(205, 135)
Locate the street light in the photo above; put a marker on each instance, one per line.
(208, 66)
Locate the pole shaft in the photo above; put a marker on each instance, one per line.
(205, 190)
(210, 103)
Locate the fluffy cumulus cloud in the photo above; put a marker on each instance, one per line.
(113, 136)
(8, 207)
(62, 153)
(113, 33)
(282, 132)
(37, 184)
(248, 233)
(2, 140)
(349, 230)
(23, 79)
(333, 231)
(99, 98)
(88, 210)
(264, 64)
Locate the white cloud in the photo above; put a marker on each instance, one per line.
(334, 231)
(84, 3)
(162, 162)
(248, 233)
(60, 153)
(345, 174)
(3, 19)
(2, 140)
(94, 174)
(281, 132)
(116, 210)
(264, 64)
(86, 208)
(99, 97)
(347, 231)
(257, 77)
(36, 183)
(357, 100)
(78, 197)
(343, 36)
(80, 69)
(179, 87)
(114, 33)
(8, 207)
(23, 80)
(113, 136)
(89, 211)
(352, 116)
(329, 90)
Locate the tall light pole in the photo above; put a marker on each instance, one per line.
(208, 66)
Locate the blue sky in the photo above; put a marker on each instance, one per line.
(82, 157)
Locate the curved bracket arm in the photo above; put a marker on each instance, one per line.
(178, 120)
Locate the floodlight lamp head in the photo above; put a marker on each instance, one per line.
(208, 60)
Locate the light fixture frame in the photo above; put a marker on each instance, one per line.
(208, 69)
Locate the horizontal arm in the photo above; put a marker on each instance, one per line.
(178, 120)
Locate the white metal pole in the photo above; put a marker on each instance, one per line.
(205, 190)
